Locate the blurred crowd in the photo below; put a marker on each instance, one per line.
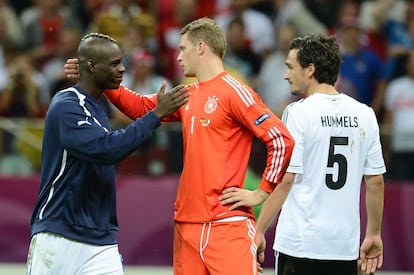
(376, 39)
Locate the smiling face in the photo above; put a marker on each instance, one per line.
(108, 66)
(297, 76)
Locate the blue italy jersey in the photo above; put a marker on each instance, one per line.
(77, 197)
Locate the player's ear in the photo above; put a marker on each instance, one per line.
(311, 69)
(91, 64)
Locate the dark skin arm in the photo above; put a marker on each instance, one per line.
(167, 102)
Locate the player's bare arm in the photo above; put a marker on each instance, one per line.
(371, 250)
(270, 208)
(241, 197)
(71, 69)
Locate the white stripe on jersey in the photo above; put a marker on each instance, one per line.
(278, 155)
(241, 90)
(87, 113)
(81, 100)
(274, 133)
(52, 188)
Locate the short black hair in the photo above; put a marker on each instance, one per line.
(90, 47)
(99, 36)
(323, 52)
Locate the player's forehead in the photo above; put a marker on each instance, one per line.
(185, 41)
(109, 52)
(292, 58)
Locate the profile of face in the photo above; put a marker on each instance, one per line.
(187, 56)
(295, 74)
(107, 68)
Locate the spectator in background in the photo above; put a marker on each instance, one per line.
(259, 27)
(166, 8)
(273, 71)
(391, 23)
(10, 39)
(69, 40)
(21, 96)
(239, 54)
(4, 47)
(399, 35)
(42, 25)
(169, 37)
(350, 11)
(373, 17)
(398, 119)
(399, 30)
(20, 99)
(275, 96)
(11, 24)
(141, 76)
(361, 66)
(114, 20)
(295, 12)
(86, 11)
(135, 37)
(326, 11)
(20, 5)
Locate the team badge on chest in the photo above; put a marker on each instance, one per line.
(204, 122)
(211, 105)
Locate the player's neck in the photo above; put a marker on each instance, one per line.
(322, 89)
(89, 88)
(210, 69)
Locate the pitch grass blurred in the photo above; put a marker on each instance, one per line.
(20, 269)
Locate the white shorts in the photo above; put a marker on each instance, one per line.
(53, 254)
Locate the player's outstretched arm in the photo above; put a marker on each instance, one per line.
(168, 103)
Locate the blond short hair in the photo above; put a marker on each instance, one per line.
(206, 30)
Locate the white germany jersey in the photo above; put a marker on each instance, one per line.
(336, 143)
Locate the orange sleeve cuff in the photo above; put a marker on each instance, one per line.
(267, 186)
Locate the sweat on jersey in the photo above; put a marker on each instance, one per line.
(77, 196)
(218, 124)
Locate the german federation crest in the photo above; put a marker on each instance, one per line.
(211, 105)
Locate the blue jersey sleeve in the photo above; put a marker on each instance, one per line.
(85, 133)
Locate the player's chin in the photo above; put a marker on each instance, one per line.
(114, 84)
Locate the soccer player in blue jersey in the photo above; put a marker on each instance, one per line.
(74, 222)
(337, 144)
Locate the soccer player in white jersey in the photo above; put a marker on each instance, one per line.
(337, 145)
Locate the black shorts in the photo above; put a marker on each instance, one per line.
(288, 265)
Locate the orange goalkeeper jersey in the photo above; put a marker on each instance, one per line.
(218, 124)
